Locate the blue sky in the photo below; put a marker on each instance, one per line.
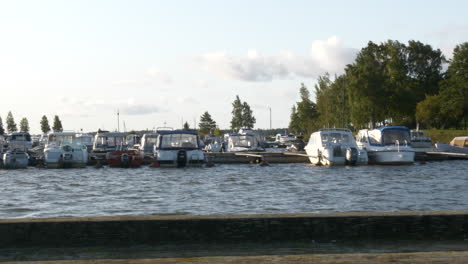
(169, 61)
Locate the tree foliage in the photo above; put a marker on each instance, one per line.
(206, 124)
(186, 126)
(304, 116)
(45, 127)
(24, 125)
(57, 126)
(2, 130)
(242, 115)
(10, 122)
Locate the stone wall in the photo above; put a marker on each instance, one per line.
(115, 231)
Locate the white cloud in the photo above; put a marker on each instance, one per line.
(325, 56)
(156, 74)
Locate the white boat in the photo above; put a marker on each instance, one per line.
(2, 146)
(16, 156)
(284, 140)
(235, 142)
(178, 148)
(147, 143)
(457, 145)
(20, 140)
(133, 141)
(85, 140)
(64, 151)
(213, 143)
(334, 146)
(387, 145)
(109, 141)
(15, 159)
(420, 140)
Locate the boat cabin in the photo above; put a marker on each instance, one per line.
(385, 136)
(461, 142)
(109, 141)
(177, 139)
(19, 140)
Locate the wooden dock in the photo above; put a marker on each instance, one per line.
(257, 157)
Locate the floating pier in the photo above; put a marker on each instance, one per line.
(256, 157)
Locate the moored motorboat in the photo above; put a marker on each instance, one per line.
(63, 151)
(178, 148)
(387, 145)
(235, 142)
(124, 159)
(420, 140)
(334, 146)
(457, 145)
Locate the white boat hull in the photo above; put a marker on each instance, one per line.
(15, 160)
(56, 158)
(171, 158)
(391, 157)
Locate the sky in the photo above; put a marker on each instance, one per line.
(162, 63)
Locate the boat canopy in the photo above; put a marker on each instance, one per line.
(242, 140)
(20, 136)
(389, 136)
(178, 139)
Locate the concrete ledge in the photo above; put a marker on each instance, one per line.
(158, 230)
(414, 258)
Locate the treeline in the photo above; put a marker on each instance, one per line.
(390, 83)
(12, 127)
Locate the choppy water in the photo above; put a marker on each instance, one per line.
(232, 189)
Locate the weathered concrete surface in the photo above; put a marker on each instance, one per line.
(231, 235)
(233, 228)
(414, 258)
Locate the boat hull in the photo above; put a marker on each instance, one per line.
(180, 158)
(124, 159)
(15, 160)
(391, 157)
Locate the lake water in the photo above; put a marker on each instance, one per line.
(232, 189)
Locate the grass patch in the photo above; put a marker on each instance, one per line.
(444, 135)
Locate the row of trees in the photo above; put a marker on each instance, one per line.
(389, 83)
(242, 117)
(24, 125)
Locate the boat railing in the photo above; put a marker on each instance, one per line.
(335, 129)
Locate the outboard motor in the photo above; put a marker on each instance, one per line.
(351, 156)
(181, 158)
(125, 160)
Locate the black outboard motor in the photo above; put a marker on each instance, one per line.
(125, 160)
(181, 158)
(351, 156)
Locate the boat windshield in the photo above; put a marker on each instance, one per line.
(336, 138)
(86, 140)
(24, 137)
(110, 141)
(179, 141)
(61, 139)
(390, 137)
(243, 141)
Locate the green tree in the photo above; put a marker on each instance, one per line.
(294, 121)
(24, 125)
(248, 120)
(45, 127)
(11, 125)
(454, 90)
(237, 107)
(206, 124)
(186, 126)
(306, 113)
(57, 126)
(2, 130)
(217, 132)
(428, 112)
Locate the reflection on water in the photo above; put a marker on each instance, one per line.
(232, 189)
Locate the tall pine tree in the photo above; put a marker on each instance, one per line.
(11, 125)
(45, 127)
(237, 107)
(24, 125)
(248, 120)
(57, 127)
(207, 124)
(2, 130)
